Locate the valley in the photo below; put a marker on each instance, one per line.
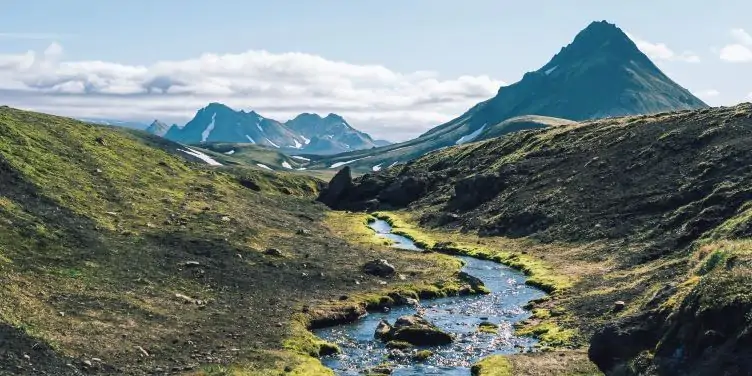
(592, 218)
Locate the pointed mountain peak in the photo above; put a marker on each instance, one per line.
(216, 106)
(333, 116)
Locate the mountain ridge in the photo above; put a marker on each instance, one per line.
(600, 74)
(217, 122)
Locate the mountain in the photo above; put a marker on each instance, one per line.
(644, 223)
(158, 128)
(116, 123)
(219, 123)
(329, 135)
(600, 74)
(306, 133)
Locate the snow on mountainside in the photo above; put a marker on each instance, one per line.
(308, 133)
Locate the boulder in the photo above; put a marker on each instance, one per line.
(273, 252)
(379, 268)
(418, 331)
(383, 330)
(338, 186)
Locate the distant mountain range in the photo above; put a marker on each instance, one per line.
(600, 74)
(117, 123)
(306, 133)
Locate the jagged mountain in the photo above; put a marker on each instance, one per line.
(307, 133)
(600, 74)
(330, 134)
(219, 123)
(158, 128)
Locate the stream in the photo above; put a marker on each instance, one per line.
(458, 314)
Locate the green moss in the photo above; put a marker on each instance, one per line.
(549, 334)
(423, 355)
(715, 259)
(398, 345)
(497, 365)
(302, 341)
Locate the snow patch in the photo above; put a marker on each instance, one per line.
(300, 158)
(231, 152)
(301, 169)
(250, 139)
(305, 140)
(201, 156)
(548, 71)
(286, 165)
(339, 164)
(273, 144)
(209, 129)
(393, 164)
(259, 128)
(376, 168)
(264, 166)
(298, 145)
(470, 136)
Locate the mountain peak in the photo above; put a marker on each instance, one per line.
(333, 116)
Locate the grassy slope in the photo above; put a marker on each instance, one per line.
(625, 208)
(96, 227)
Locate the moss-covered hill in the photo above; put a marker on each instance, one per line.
(653, 212)
(120, 256)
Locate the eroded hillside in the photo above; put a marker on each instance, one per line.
(655, 211)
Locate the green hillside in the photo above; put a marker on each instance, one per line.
(118, 255)
(640, 226)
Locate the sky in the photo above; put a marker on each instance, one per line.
(393, 68)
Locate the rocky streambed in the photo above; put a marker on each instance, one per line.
(480, 325)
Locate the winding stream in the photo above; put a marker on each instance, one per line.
(459, 315)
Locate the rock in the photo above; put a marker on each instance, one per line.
(383, 330)
(338, 186)
(383, 369)
(191, 263)
(273, 252)
(623, 339)
(379, 268)
(303, 232)
(398, 345)
(473, 281)
(488, 327)
(422, 355)
(619, 305)
(87, 363)
(419, 332)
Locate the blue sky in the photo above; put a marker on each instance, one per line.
(369, 61)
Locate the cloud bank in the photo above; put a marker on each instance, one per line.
(741, 50)
(374, 98)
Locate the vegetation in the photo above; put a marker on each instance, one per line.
(114, 245)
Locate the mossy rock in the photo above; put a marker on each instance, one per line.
(422, 355)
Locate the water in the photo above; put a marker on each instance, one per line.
(459, 315)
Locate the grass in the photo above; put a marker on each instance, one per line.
(96, 227)
(555, 363)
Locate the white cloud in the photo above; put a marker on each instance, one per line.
(739, 52)
(279, 86)
(749, 96)
(742, 36)
(660, 51)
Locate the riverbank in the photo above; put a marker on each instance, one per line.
(555, 268)
(481, 325)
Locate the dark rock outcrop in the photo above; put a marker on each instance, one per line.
(337, 188)
(414, 330)
(379, 268)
